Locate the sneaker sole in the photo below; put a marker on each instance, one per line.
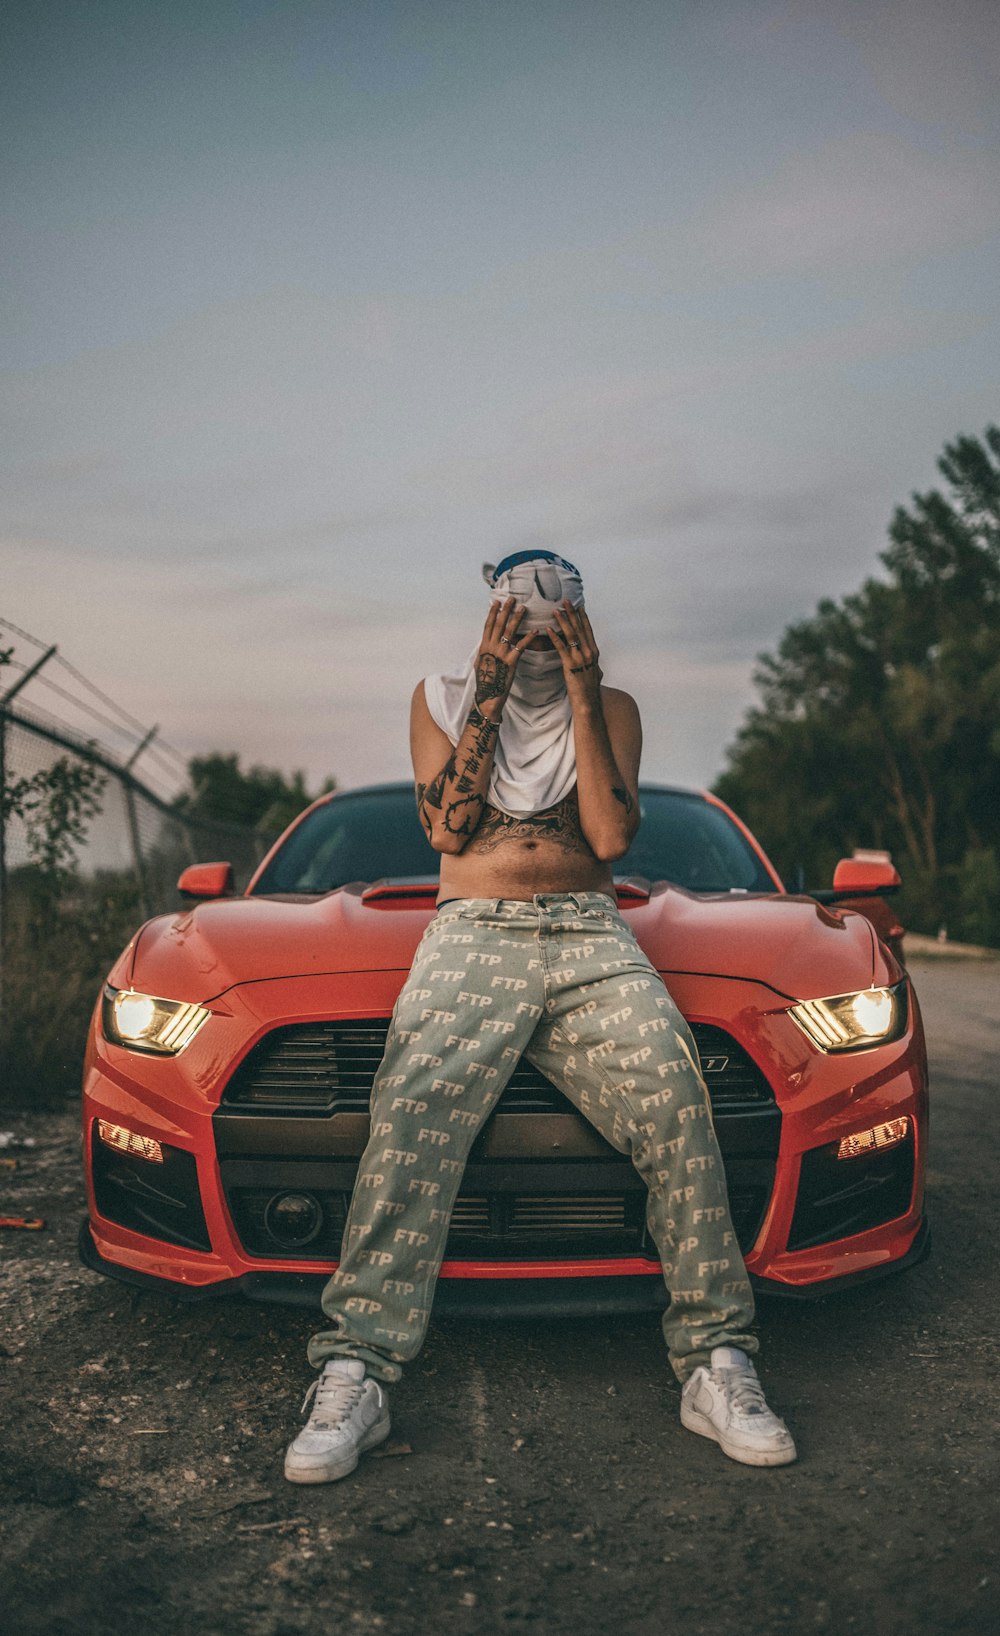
(692, 1421)
(333, 1470)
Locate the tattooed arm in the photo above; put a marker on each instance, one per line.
(452, 783)
(608, 737)
(450, 800)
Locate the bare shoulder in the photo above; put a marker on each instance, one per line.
(621, 716)
(620, 709)
(420, 715)
(429, 746)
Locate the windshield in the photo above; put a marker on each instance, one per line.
(376, 834)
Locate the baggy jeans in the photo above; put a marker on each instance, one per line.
(562, 981)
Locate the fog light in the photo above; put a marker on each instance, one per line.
(293, 1218)
(880, 1136)
(129, 1141)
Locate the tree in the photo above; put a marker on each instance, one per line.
(260, 798)
(878, 717)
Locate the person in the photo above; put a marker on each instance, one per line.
(526, 770)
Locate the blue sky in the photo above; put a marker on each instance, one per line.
(311, 308)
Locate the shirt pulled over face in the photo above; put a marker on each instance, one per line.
(538, 584)
(534, 763)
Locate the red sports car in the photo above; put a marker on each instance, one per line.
(232, 1053)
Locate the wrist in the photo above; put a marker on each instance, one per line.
(488, 713)
(586, 703)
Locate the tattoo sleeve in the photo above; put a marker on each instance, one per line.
(451, 805)
(422, 810)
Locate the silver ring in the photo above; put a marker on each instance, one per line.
(574, 644)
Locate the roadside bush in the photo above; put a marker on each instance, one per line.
(979, 896)
(59, 947)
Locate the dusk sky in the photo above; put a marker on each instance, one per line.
(311, 308)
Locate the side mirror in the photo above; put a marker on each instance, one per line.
(865, 875)
(207, 880)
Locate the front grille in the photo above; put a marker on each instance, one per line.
(484, 1224)
(732, 1077)
(546, 1216)
(329, 1067)
(320, 1067)
(273, 1138)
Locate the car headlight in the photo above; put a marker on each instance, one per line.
(144, 1022)
(852, 1022)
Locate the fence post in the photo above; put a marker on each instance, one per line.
(140, 863)
(3, 853)
(5, 699)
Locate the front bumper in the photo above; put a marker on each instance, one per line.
(229, 1156)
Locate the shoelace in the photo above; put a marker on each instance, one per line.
(746, 1394)
(335, 1396)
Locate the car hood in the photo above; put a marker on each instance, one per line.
(792, 944)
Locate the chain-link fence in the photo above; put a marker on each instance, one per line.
(87, 852)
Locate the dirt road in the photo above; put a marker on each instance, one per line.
(537, 1480)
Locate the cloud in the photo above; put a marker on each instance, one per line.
(860, 200)
(930, 62)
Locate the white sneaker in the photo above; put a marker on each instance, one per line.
(726, 1402)
(349, 1415)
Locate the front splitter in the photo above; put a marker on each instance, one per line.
(506, 1298)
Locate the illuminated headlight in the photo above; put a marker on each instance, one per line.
(145, 1023)
(850, 1022)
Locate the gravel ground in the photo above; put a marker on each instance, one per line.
(537, 1479)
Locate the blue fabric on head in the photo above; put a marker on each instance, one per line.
(530, 556)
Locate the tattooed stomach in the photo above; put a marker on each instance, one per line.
(517, 857)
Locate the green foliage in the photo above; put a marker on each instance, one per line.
(979, 895)
(57, 930)
(56, 804)
(56, 956)
(879, 717)
(261, 798)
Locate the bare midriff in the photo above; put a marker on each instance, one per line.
(518, 857)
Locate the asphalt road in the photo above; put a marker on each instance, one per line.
(537, 1480)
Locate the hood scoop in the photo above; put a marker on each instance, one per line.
(399, 894)
(421, 894)
(632, 889)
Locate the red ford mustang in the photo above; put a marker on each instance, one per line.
(232, 1053)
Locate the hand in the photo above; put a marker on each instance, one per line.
(498, 654)
(573, 640)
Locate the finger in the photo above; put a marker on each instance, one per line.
(571, 628)
(588, 628)
(514, 635)
(491, 619)
(506, 609)
(508, 638)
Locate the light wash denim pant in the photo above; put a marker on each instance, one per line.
(562, 981)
